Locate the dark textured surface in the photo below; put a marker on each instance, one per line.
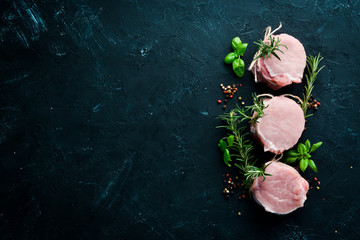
(107, 118)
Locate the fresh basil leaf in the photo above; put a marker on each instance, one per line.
(304, 164)
(301, 148)
(290, 159)
(238, 67)
(315, 146)
(227, 158)
(241, 49)
(312, 165)
(292, 153)
(230, 58)
(230, 140)
(307, 145)
(236, 43)
(222, 145)
(307, 155)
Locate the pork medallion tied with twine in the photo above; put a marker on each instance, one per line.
(283, 191)
(281, 125)
(284, 67)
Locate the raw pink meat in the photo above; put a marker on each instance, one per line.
(282, 192)
(281, 126)
(277, 74)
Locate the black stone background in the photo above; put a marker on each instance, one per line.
(107, 118)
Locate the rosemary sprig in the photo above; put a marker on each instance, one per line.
(240, 148)
(247, 113)
(266, 49)
(312, 65)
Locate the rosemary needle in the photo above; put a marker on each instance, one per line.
(312, 65)
(238, 145)
(266, 49)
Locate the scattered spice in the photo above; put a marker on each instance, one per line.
(230, 185)
(228, 91)
(239, 213)
(313, 103)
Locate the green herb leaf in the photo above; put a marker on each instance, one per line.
(292, 153)
(307, 145)
(230, 58)
(304, 164)
(315, 146)
(313, 69)
(290, 159)
(241, 149)
(238, 67)
(301, 148)
(268, 48)
(312, 165)
(230, 140)
(227, 158)
(241, 50)
(222, 145)
(236, 43)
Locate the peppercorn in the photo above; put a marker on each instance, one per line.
(318, 182)
(225, 101)
(242, 103)
(219, 101)
(239, 213)
(227, 175)
(231, 96)
(239, 98)
(315, 179)
(243, 196)
(224, 106)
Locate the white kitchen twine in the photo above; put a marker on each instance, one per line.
(267, 35)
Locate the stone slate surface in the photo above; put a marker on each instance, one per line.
(108, 118)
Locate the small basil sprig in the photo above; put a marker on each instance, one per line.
(224, 146)
(234, 57)
(302, 153)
